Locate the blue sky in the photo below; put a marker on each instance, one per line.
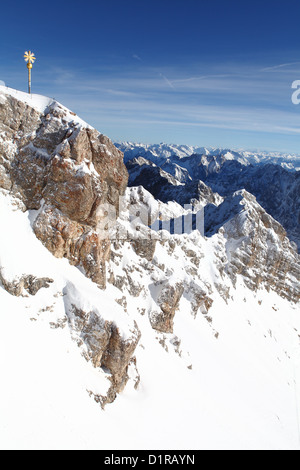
(211, 73)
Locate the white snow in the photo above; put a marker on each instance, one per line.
(160, 153)
(241, 393)
(40, 103)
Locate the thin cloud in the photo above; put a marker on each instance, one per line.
(136, 57)
(280, 66)
(238, 98)
(168, 82)
(145, 112)
(204, 77)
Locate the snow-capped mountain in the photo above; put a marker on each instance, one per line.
(159, 153)
(146, 337)
(275, 188)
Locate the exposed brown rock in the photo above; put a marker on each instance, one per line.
(92, 331)
(80, 244)
(199, 299)
(262, 252)
(168, 301)
(118, 355)
(72, 169)
(104, 345)
(144, 248)
(30, 284)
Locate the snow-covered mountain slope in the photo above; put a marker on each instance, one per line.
(275, 188)
(165, 187)
(225, 377)
(140, 339)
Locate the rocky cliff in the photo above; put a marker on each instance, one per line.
(61, 170)
(64, 169)
(160, 289)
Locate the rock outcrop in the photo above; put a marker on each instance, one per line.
(65, 170)
(272, 180)
(167, 298)
(24, 285)
(256, 246)
(102, 341)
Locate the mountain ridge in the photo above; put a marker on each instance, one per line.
(276, 188)
(161, 152)
(187, 339)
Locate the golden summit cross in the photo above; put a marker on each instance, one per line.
(30, 59)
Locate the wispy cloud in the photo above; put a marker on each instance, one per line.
(205, 77)
(280, 66)
(226, 97)
(136, 57)
(167, 81)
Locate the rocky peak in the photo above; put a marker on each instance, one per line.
(61, 167)
(256, 245)
(166, 184)
(61, 170)
(272, 179)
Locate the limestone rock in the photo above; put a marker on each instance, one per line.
(257, 246)
(29, 283)
(50, 158)
(144, 248)
(118, 355)
(168, 300)
(198, 298)
(91, 330)
(80, 244)
(102, 341)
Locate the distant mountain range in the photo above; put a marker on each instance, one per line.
(111, 297)
(159, 153)
(190, 175)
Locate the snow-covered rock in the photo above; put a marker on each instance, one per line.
(164, 153)
(194, 338)
(61, 167)
(274, 185)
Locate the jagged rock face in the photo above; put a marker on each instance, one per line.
(118, 355)
(79, 243)
(168, 300)
(29, 283)
(199, 299)
(276, 188)
(144, 248)
(66, 171)
(92, 331)
(165, 187)
(256, 246)
(102, 342)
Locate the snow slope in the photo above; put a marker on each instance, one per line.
(216, 348)
(227, 381)
(275, 187)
